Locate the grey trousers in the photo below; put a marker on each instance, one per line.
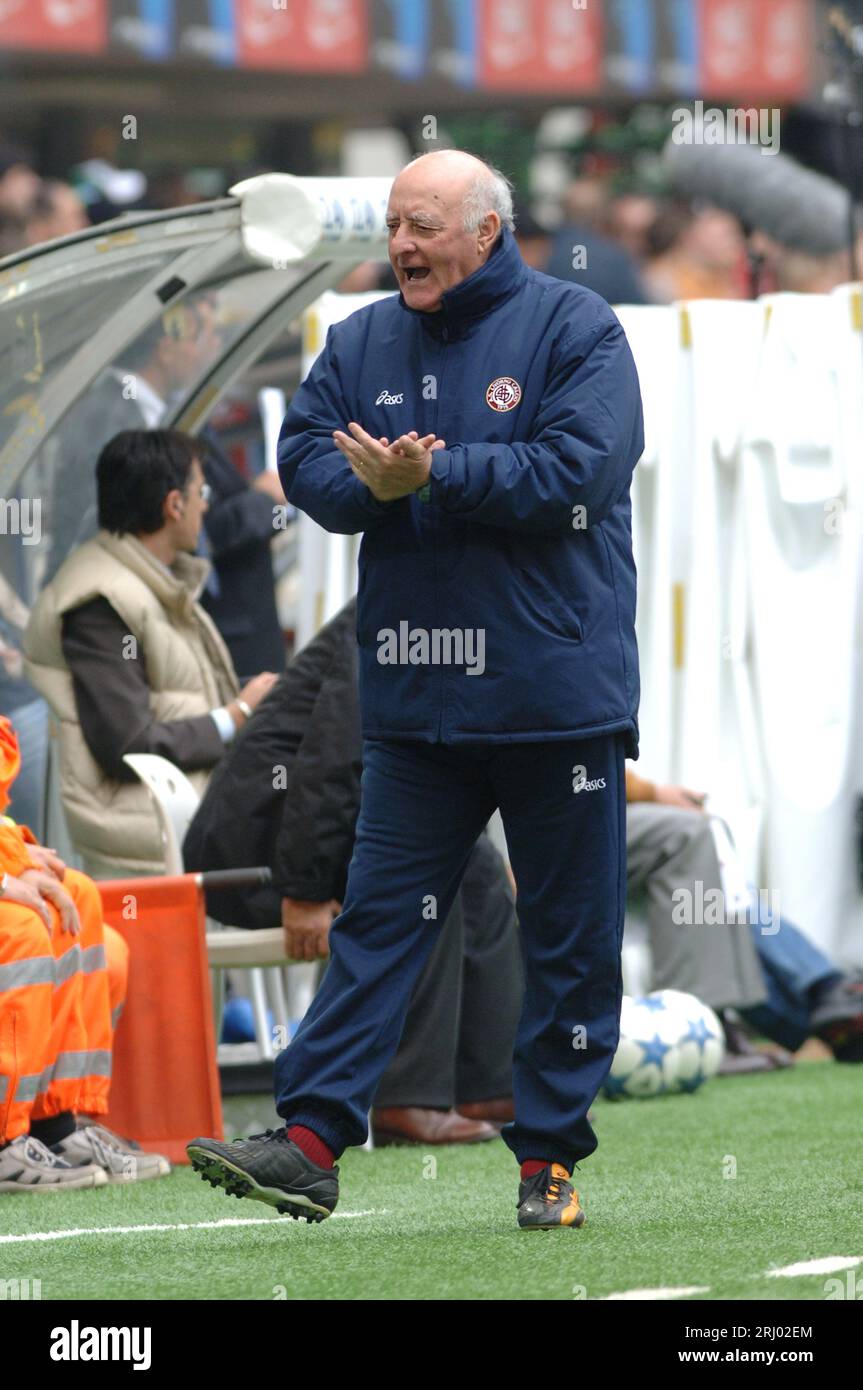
(668, 848)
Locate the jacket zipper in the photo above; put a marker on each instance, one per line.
(442, 700)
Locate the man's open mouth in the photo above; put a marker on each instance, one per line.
(416, 272)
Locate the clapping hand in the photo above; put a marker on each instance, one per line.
(389, 471)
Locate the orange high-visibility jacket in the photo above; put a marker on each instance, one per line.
(59, 993)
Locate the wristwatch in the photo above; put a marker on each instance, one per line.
(244, 708)
(3, 882)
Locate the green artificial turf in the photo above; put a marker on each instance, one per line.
(441, 1222)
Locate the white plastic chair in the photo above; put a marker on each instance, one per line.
(261, 953)
(175, 799)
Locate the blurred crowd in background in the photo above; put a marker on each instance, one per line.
(632, 247)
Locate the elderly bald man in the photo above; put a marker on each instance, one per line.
(480, 429)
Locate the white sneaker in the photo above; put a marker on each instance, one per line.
(27, 1166)
(121, 1159)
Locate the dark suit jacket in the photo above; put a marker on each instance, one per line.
(287, 794)
(239, 527)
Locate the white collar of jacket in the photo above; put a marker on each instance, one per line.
(177, 588)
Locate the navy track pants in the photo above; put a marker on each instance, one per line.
(422, 808)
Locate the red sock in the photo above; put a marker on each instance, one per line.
(533, 1165)
(312, 1146)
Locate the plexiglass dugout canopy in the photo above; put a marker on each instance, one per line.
(72, 308)
(225, 277)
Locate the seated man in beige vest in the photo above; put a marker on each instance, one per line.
(126, 657)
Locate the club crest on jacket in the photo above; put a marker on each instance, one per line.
(504, 393)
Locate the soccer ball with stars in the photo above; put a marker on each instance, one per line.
(669, 1041)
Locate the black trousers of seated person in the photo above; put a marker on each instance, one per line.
(458, 1040)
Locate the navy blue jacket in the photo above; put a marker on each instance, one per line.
(525, 535)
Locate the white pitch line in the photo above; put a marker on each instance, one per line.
(657, 1293)
(182, 1226)
(830, 1264)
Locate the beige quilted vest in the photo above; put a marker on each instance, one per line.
(113, 824)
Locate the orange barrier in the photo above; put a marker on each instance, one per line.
(165, 1082)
